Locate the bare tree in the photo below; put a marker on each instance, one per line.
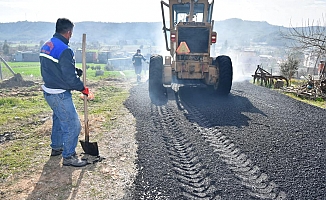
(311, 37)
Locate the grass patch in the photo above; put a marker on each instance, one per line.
(12, 108)
(17, 157)
(32, 69)
(127, 74)
(297, 82)
(24, 68)
(319, 102)
(107, 103)
(21, 155)
(18, 112)
(9, 102)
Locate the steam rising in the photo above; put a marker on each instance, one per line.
(244, 65)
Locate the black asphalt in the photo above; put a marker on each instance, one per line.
(254, 144)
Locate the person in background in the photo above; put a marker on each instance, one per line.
(137, 62)
(60, 77)
(321, 68)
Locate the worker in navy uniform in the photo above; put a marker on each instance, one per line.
(61, 77)
(137, 62)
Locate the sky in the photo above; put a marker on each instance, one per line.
(288, 13)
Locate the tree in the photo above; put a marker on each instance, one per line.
(309, 38)
(289, 67)
(5, 48)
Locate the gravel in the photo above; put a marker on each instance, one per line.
(254, 144)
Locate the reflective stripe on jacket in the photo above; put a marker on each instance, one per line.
(58, 65)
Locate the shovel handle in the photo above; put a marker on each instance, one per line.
(84, 80)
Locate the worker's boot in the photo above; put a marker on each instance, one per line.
(74, 161)
(138, 78)
(56, 152)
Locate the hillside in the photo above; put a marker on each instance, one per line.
(240, 32)
(235, 31)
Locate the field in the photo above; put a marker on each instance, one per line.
(31, 71)
(25, 127)
(32, 104)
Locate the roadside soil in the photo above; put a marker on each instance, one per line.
(109, 176)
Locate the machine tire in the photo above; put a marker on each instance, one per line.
(224, 84)
(157, 92)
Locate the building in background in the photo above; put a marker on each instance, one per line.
(27, 56)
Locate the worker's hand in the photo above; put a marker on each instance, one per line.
(85, 91)
(79, 72)
(90, 95)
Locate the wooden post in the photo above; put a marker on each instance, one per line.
(4, 62)
(84, 80)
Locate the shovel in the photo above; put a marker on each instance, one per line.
(89, 148)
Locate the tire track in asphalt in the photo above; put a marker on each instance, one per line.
(192, 175)
(262, 145)
(250, 175)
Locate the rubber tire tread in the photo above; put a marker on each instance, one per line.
(157, 92)
(226, 73)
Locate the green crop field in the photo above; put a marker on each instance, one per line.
(31, 70)
(11, 107)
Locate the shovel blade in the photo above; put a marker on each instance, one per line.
(90, 148)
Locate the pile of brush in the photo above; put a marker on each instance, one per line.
(310, 89)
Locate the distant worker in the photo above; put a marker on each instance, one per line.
(321, 68)
(60, 77)
(137, 62)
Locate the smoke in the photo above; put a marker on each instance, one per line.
(244, 64)
(240, 73)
